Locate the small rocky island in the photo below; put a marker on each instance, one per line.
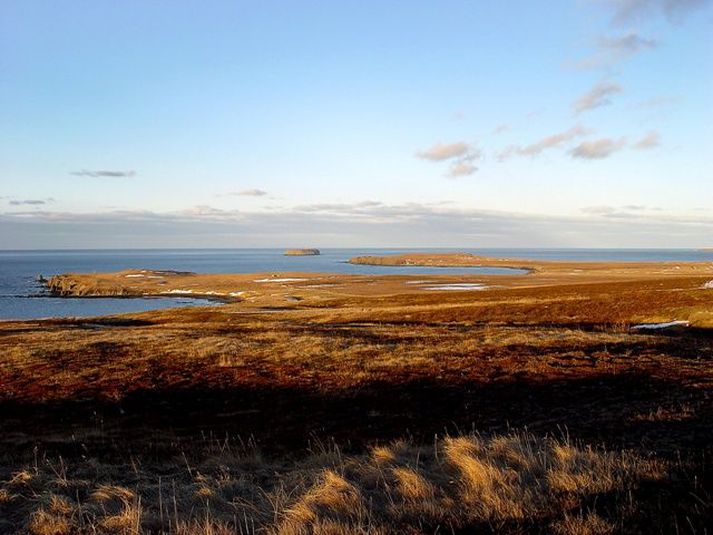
(302, 252)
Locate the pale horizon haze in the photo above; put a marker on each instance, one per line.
(580, 123)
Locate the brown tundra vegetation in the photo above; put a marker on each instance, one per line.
(320, 403)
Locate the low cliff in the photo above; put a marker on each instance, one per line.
(72, 286)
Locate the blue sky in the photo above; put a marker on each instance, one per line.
(356, 123)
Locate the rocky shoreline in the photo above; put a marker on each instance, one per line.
(69, 286)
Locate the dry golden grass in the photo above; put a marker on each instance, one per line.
(458, 482)
(75, 362)
(583, 524)
(44, 523)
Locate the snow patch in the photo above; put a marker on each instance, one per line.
(658, 326)
(708, 285)
(178, 292)
(279, 280)
(461, 286)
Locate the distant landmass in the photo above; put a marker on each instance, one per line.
(302, 252)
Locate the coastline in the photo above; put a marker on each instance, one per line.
(326, 291)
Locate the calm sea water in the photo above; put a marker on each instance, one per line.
(21, 297)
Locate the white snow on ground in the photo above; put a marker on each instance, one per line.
(236, 294)
(460, 286)
(279, 280)
(133, 276)
(419, 282)
(665, 325)
(708, 285)
(199, 292)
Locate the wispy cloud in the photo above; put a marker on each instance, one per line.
(656, 103)
(355, 208)
(598, 149)
(549, 142)
(628, 11)
(611, 50)
(103, 173)
(253, 192)
(461, 156)
(627, 44)
(30, 202)
(441, 152)
(462, 168)
(629, 211)
(596, 97)
(649, 141)
(206, 211)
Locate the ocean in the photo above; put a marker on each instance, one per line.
(22, 297)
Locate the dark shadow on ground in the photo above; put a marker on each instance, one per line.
(623, 410)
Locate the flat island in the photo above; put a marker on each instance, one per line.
(302, 252)
(538, 400)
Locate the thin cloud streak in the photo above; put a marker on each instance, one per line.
(596, 97)
(627, 44)
(549, 142)
(628, 11)
(441, 152)
(30, 202)
(656, 103)
(629, 211)
(649, 141)
(253, 192)
(463, 168)
(598, 149)
(102, 173)
(461, 156)
(612, 50)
